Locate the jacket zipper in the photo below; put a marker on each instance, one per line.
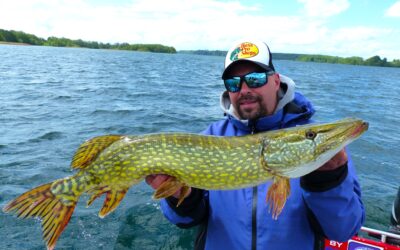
(254, 210)
(254, 220)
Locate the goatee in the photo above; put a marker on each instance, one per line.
(253, 113)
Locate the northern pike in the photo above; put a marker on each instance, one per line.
(111, 164)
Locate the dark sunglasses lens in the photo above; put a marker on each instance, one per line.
(255, 80)
(232, 84)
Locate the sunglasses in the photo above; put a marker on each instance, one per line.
(253, 80)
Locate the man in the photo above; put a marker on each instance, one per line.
(324, 203)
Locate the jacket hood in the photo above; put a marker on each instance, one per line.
(291, 107)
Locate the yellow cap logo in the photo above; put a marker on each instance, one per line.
(244, 50)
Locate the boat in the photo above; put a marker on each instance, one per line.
(373, 239)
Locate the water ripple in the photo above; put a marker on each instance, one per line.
(54, 135)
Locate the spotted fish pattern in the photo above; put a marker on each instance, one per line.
(109, 165)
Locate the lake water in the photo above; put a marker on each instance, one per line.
(52, 99)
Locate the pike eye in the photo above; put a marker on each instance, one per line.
(310, 134)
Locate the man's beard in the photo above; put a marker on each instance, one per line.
(253, 113)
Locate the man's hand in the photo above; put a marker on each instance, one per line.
(338, 160)
(156, 180)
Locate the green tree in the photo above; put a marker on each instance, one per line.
(374, 61)
(395, 63)
(9, 36)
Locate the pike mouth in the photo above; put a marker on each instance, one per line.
(348, 135)
(333, 144)
(359, 129)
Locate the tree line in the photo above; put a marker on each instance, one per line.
(12, 36)
(205, 52)
(22, 37)
(354, 60)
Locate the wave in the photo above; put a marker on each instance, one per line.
(47, 136)
(63, 97)
(116, 112)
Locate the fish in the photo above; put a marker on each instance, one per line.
(110, 164)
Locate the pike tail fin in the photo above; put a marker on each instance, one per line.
(277, 195)
(41, 202)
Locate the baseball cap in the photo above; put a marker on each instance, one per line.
(249, 50)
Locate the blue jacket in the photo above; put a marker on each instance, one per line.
(321, 204)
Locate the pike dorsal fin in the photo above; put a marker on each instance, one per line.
(89, 150)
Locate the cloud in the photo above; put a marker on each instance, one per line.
(361, 41)
(324, 8)
(197, 24)
(140, 20)
(191, 24)
(394, 10)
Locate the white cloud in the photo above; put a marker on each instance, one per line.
(360, 41)
(142, 20)
(196, 24)
(394, 10)
(324, 8)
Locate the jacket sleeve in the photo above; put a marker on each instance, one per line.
(193, 210)
(334, 201)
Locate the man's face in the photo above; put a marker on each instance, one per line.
(253, 103)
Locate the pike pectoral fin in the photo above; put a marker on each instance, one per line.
(170, 187)
(185, 191)
(277, 195)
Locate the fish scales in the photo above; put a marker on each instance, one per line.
(199, 161)
(109, 165)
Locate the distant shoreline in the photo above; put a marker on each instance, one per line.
(14, 43)
(11, 37)
(21, 38)
(354, 60)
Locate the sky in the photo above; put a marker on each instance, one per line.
(345, 28)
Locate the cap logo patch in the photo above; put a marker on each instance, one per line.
(244, 50)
